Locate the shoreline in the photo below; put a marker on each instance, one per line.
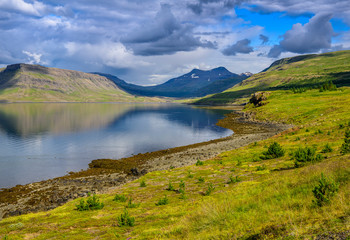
(104, 175)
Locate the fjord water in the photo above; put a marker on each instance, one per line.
(41, 140)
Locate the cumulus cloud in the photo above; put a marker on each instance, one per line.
(264, 39)
(312, 37)
(33, 58)
(164, 35)
(211, 7)
(36, 8)
(241, 46)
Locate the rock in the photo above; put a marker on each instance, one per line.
(259, 98)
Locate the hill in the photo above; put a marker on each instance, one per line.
(235, 195)
(196, 83)
(306, 71)
(34, 83)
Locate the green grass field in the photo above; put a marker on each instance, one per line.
(308, 71)
(271, 199)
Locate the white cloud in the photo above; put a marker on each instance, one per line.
(33, 58)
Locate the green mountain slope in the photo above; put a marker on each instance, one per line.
(34, 83)
(300, 71)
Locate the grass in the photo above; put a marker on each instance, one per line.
(271, 200)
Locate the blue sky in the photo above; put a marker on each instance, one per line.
(150, 41)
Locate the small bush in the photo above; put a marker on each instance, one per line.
(120, 198)
(274, 151)
(328, 86)
(234, 180)
(209, 190)
(163, 201)
(239, 163)
(92, 203)
(182, 185)
(305, 155)
(172, 167)
(324, 191)
(261, 168)
(190, 175)
(170, 187)
(125, 220)
(327, 149)
(201, 180)
(143, 183)
(199, 163)
(345, 147)
(131, 204)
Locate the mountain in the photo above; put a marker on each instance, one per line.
(310, 70)
(34, 83)
(196, 83)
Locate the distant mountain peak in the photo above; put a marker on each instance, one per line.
(247, 74)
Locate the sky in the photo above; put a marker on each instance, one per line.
(147, 42)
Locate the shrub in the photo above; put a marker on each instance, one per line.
(92, 203)
(345, 147)
(324, 191)
(131, 204)
(125, 220)
(305, 155)
(234, 180)
(327, 149)
(170, 187)
(261, 168)
(199, 163)
(143, 183)
(274, 151)
(328, 86)
(209, 190)
(201, 179)
(182, 185)
(163, 201)
(189, 175)
(120, 198)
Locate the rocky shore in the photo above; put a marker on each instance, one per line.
(104, 175)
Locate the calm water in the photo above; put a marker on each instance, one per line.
(41, 141)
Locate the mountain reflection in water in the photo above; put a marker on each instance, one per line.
(40, 141)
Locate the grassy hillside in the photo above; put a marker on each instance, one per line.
(34, 83)
(236, 195)
(307, 71)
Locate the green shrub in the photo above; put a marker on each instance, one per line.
(345, 147)
(92, 203)
(328, 86)
(172, 167)
(209, 190)
(234, 180)
(199, 163)
(182, 184)
(120, 198)
(163, 201)
(131, 204)
(324, 191)
(170, 187)
(305, 155)
(142, 183)
(125, 220)
(190, 175)
(327, 149)
(201, 180)
(261, 168)
(274, 151)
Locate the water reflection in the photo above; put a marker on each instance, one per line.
(41, 141)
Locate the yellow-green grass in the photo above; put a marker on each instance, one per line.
(301, 71)
(273, 203)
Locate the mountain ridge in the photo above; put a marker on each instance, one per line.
(195, 83)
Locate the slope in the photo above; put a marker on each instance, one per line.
(235, 195)
(306, 71)
(34, 83)
(193, 84)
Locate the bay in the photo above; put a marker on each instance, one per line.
(45, 140)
